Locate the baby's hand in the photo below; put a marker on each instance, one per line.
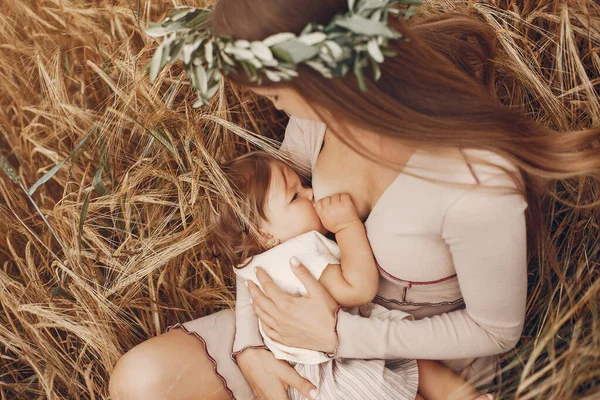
(336, 212)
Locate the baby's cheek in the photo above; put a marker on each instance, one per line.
(314, 213)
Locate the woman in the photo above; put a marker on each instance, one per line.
(444, 178)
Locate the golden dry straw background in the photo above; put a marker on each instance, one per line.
(110, 247)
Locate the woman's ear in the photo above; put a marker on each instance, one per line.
(268, 239)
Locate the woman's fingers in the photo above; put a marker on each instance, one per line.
(276, 393)
(272, 333)
(268, 321)
(295, 380)
(270, 287)
(306, 321)
(308, 280)
(261, 301)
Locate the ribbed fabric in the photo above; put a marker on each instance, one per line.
(351, 379)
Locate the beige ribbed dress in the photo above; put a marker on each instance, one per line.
(450, 252)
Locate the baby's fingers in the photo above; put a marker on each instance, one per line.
(323, 204)
(319, 208)
(345, 197)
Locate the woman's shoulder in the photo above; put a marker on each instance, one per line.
(302, 141)
(469, 183)
(304, 124)
(465, 167)
(488, 164)
(302, 132)
(494, 191)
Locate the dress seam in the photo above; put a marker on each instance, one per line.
(412, 283)
(237, 353)
(410, 303)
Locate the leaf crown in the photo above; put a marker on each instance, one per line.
(350, 42)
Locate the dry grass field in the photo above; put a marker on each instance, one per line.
(109, 247)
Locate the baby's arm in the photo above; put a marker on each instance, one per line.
(355, 281)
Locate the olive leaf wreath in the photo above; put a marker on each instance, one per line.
(350, 42)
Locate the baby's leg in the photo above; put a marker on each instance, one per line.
(438, 382)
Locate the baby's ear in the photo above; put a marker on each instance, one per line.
(268, 239)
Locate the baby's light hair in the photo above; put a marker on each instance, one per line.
(249, 176)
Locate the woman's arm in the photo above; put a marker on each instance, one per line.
(486, 235)
(247, 334)
(267, 376)
(300, 141)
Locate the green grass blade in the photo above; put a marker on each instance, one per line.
(57, 291)
(48, 175)
(37, 208)
(84, 210)
(163, 139)
(9, 170)
(68, 65)
(97, 183)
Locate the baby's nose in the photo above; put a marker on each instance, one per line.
(309, 194)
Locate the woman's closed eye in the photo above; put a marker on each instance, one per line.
(294, 197)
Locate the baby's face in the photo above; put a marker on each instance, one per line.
(290, 207)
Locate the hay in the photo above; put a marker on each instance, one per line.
(111, 248)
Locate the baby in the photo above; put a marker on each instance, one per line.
(280, 204)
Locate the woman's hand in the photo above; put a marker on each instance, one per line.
(306, 322)
(269, 377)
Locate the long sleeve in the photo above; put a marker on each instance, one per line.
(294, 144)
(486, 234)
(247, 334)
(302, 142)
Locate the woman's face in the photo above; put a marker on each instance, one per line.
(290, 206)
(287, 99)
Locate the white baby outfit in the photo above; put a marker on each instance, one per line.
(339, 378)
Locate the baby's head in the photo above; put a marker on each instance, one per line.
(276, 199)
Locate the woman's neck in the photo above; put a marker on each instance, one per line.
(386, 151)
(361, 163)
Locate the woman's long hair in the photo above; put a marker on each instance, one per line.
(438, 91)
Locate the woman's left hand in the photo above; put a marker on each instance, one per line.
(306, 322)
